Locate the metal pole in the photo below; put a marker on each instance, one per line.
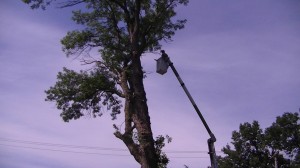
(212, 153)
(212, 139)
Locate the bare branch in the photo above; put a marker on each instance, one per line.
(70, 3)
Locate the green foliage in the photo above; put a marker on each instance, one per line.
(284, 134)
(249, 148)
(110, 25)
(118, 32)
(34, 4)
(159, 144)
(75, 41)
(254, 147)
(77, 93)
(121, 30)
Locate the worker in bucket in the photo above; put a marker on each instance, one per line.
(164, 55)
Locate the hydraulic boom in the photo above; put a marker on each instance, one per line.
(162, 65)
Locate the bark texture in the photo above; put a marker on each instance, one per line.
(137, 117)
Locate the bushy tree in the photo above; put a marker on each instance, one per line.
(283, 136)
(249, 148)
(253, 147)
(122, 30)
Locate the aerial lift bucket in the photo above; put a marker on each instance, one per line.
(161, 66)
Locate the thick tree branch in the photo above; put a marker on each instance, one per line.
(133, 147)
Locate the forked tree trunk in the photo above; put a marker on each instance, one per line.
(136, 108)
(141, 119)
(137, 117)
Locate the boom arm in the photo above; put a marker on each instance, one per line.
(212, 139)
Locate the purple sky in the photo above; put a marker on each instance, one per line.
(239, 59)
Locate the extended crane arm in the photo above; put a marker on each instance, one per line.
(162, 65)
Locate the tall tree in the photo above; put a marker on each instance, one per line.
(249, 148)
(284, 136)
(277, 145)
(122, 30)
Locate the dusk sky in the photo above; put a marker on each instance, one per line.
(239, 59)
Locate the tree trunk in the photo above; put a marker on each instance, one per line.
(141, 119)
(137, 117)
(136, 108)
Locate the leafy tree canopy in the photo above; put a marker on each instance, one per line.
(253, 147)
(76, 93)
(121, 30)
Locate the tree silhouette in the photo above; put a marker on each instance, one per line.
(277, 145)
(122, 30)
